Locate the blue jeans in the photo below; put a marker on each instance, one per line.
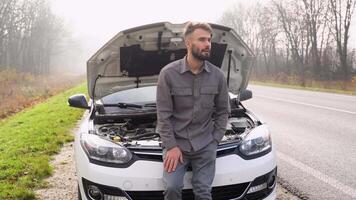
(203, 168)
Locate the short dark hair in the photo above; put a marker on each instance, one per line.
(190, 27)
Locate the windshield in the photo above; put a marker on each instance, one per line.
(142, 95)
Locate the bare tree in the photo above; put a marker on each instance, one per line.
(268, 32)
(244, 21)
(307, 38)
(294, 27)
(29, 34)
(236, 19)
(341, 15)
(315, 12)
(7, 20)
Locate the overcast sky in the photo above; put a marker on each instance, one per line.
(100, 20)
(104, 18)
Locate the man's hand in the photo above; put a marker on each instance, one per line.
(173, 156)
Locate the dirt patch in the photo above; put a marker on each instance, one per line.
(63, 183)
(283, 194)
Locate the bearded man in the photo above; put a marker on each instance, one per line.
(192, 111)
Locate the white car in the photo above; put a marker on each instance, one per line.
(118, 151)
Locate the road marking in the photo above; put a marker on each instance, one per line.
(317, 174)
(307, 104)
(302, 91)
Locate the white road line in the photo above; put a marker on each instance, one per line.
(302, 91)
(307, 104)
(317, 174)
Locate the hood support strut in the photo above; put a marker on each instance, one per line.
(96, 79)
(229, 66)
(159, 40)
(137, 81)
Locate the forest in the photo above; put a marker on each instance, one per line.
(297, 42)
(297, 39)
(35, 46)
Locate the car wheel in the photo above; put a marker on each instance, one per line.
(79, 194)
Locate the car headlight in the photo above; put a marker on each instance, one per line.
(257, 143)
(104, 150)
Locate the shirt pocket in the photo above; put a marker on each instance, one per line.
(181, 91)
(207, 95)
(182, 97)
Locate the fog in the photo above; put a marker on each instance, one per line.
(94, 22)
(45, 38)
(48, 36)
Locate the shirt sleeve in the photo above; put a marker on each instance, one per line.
(164, 111)
(222, 104)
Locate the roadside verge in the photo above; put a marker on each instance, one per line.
(27, 141)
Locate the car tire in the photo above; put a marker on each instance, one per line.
(79, 194)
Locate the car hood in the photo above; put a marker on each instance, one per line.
(134, 57)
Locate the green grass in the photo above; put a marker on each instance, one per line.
(314, 88)
(27, 141)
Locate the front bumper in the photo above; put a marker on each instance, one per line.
(235, 178)
(247, 191)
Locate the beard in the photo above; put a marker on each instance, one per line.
(200, 54)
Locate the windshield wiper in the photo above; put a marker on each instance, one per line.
(123, 105)
(150, 105)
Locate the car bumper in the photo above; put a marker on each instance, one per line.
(144, 178)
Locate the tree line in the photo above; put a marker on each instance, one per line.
(308, 39)
(30, 35)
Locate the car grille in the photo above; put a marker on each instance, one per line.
(218, 193)
(157, 155)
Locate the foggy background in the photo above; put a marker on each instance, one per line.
(44, 46)
(302, 38)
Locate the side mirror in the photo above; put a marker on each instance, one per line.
(78, 101)
(245, 95)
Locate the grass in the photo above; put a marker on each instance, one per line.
(29, 138)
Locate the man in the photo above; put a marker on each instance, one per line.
(189, 91)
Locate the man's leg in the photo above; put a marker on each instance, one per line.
(203, 165)
(173, 182)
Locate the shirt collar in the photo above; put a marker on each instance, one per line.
(184, 66)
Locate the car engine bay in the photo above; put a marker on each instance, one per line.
(141, 131)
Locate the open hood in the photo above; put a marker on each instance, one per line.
(134, 57)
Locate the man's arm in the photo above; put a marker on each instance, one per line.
(164, 112)
(222, 104)
(164, 125)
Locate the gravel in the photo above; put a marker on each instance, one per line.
(63, 184)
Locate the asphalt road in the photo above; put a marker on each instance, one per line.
(315, 134)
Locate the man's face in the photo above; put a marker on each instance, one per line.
(199, 43)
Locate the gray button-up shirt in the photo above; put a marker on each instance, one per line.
(192, 109)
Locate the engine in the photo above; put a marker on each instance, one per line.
(143, 133)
